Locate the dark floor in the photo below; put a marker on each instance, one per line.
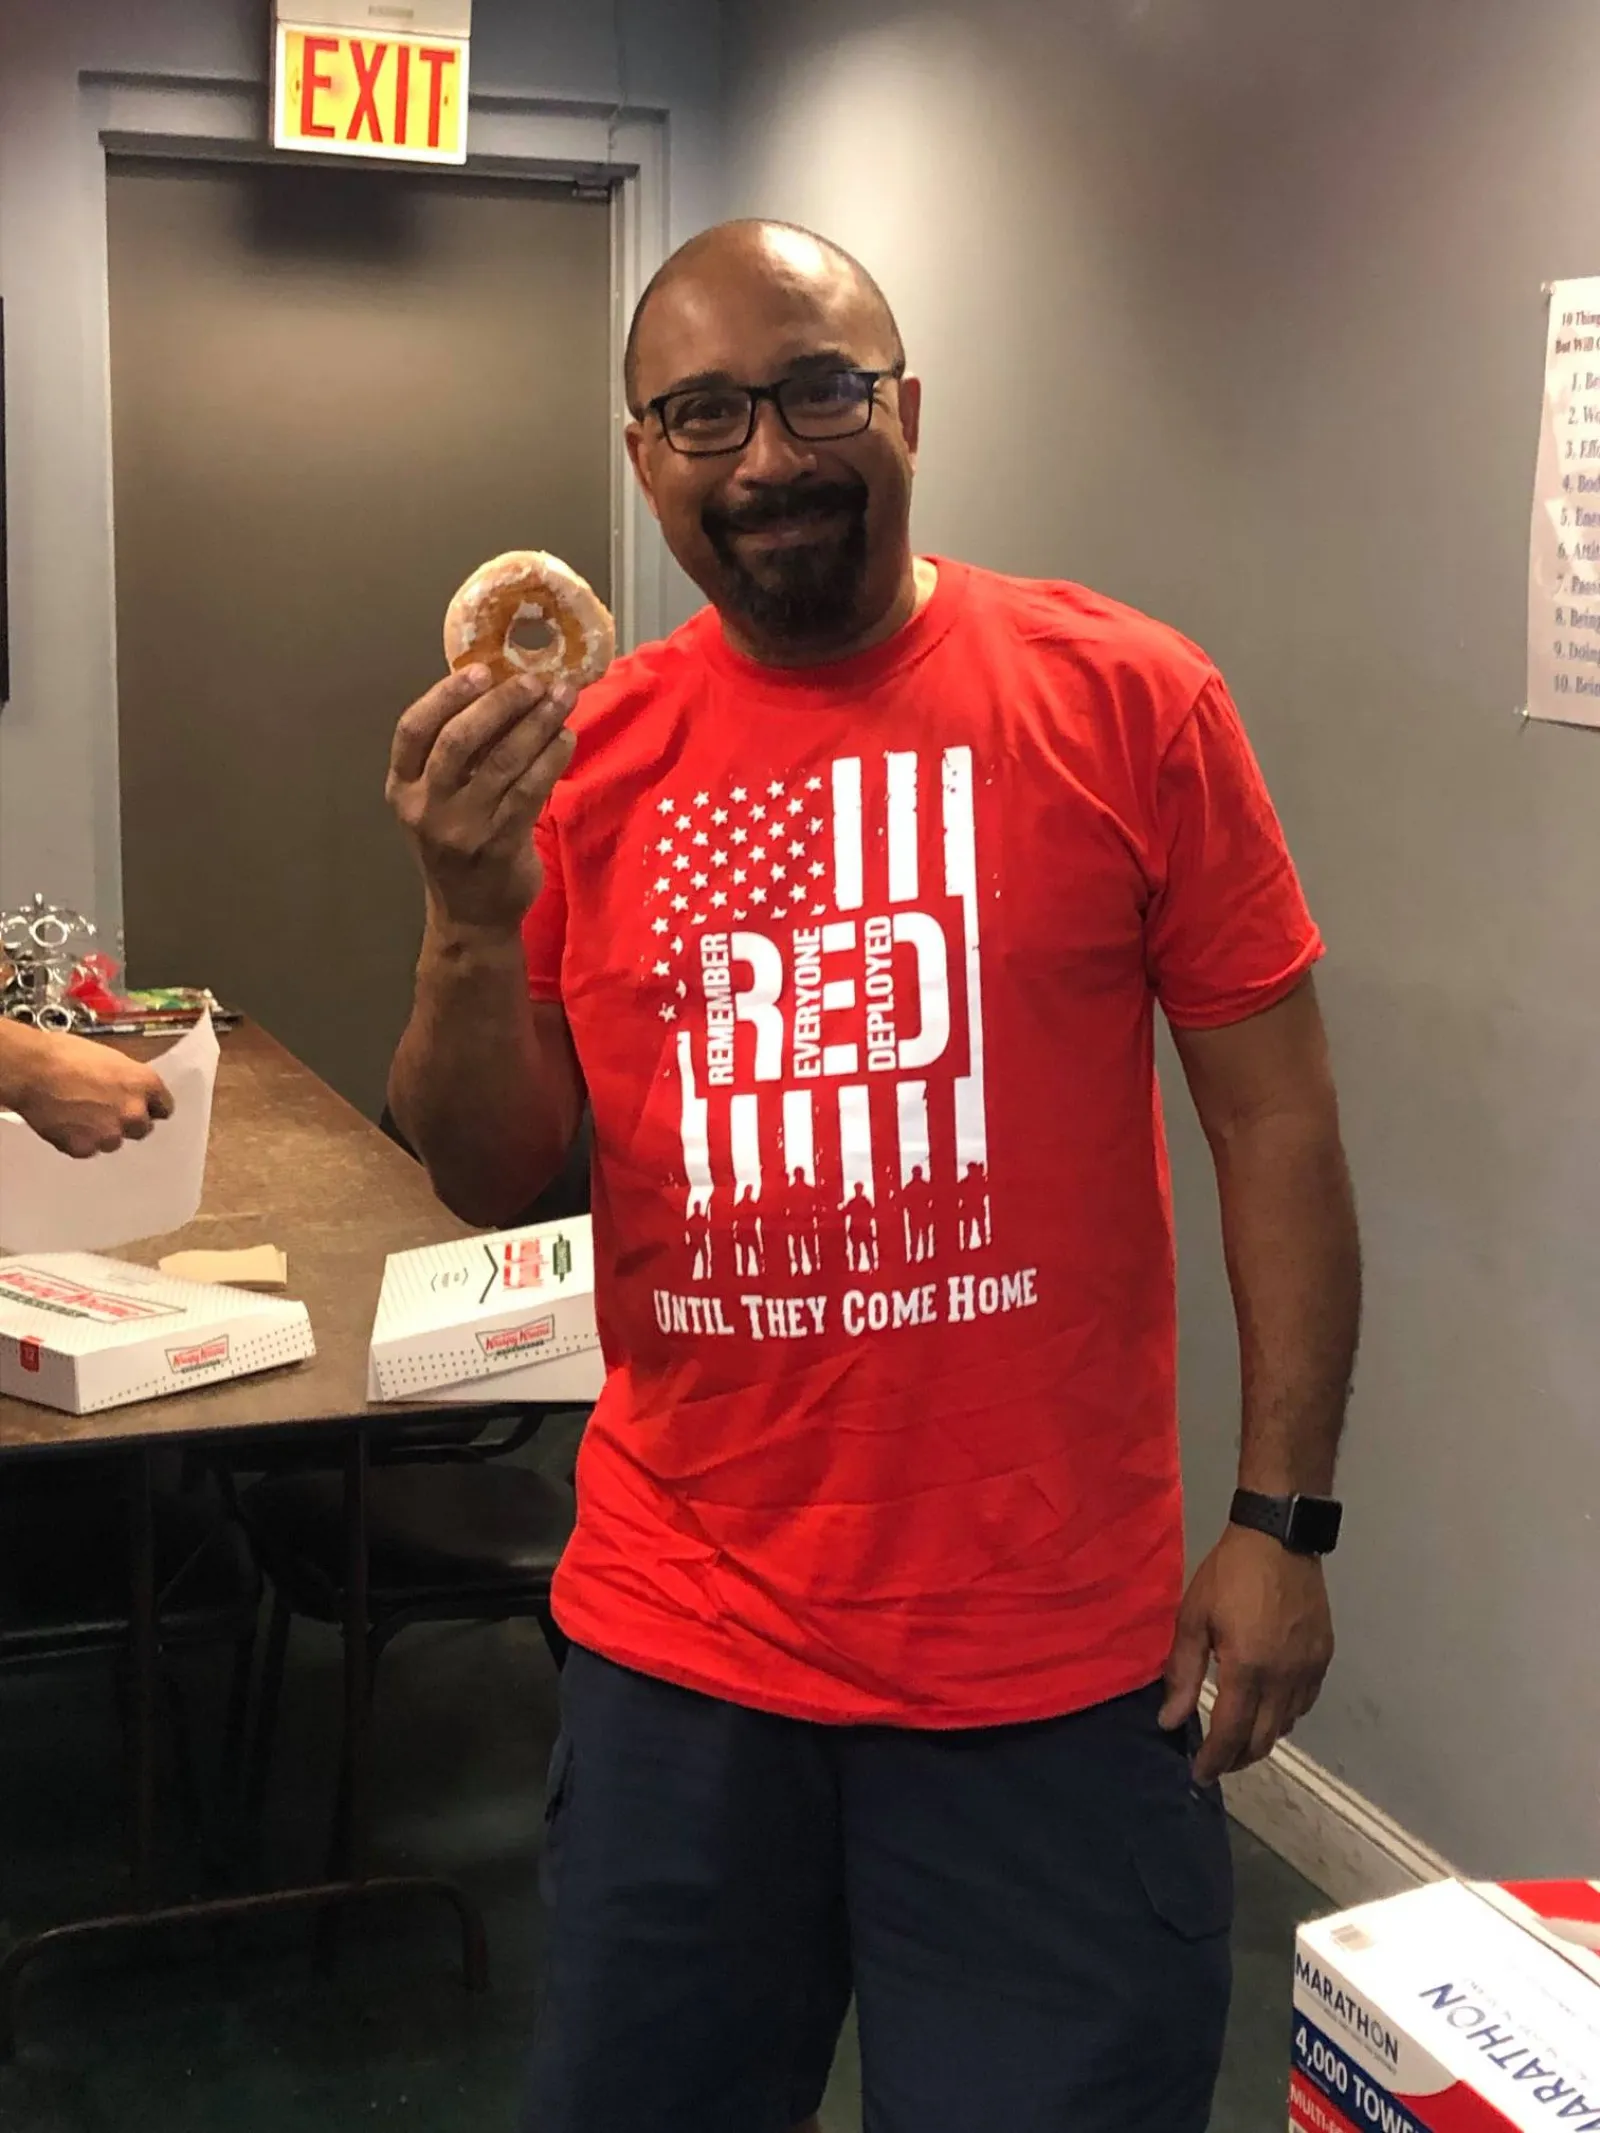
(238, 2033)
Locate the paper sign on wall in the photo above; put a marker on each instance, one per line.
(1564, 564)
(344, 84)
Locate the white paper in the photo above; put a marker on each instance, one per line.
(50, 1202)
(1564, 561)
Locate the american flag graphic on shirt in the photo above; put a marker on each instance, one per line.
(813, 957)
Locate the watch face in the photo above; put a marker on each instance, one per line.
(1314, 1525)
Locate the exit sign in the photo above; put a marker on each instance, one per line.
(370, 92)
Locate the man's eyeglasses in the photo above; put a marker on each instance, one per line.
(816, 407)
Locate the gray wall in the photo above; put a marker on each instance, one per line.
(58, 754)
(1232, 308)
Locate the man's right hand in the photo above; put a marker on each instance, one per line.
(469, 774)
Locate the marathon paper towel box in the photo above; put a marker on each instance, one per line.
(1456, 2008)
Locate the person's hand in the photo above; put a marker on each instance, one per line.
(82, 1097)
(1263, 1614)
(470, 771)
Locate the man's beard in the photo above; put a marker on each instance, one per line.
(808, 594)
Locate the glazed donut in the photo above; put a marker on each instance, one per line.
(502, 592)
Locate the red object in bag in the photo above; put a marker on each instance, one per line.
(91, 989)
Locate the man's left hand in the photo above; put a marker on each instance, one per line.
(1263, 1614)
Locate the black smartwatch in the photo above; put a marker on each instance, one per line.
(1306, 1525)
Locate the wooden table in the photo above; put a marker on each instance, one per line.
(290, 1164)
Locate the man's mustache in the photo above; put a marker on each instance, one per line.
(782, 506)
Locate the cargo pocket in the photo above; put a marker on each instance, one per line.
(1180, 1848)
(557, 1791)
(558, 1776)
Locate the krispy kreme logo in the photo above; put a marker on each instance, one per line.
(52, 1292)
(522, 1263)
(514, 1340)
(181, 1361)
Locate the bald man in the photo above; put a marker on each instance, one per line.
(868, 883)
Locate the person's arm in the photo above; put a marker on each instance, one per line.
(1264, 1092)
(485, 1082)
(80, 1096)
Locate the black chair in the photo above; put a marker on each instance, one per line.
(65, 1587)
(450, 1538)
(454, 1533)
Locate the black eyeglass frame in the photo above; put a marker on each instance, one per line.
(870, 379)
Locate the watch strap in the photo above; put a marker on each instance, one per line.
(1306, 1525)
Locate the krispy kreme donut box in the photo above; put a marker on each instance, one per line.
(81, 1332)
(502, 1317)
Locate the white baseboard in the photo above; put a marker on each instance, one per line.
(1325, 1829)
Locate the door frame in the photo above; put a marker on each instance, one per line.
(618, 153)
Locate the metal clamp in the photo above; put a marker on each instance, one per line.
(42, 947)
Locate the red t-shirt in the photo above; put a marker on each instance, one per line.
(861, 963)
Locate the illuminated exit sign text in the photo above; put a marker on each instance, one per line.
(344, 92)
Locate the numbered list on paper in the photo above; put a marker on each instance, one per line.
(1564, 561)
